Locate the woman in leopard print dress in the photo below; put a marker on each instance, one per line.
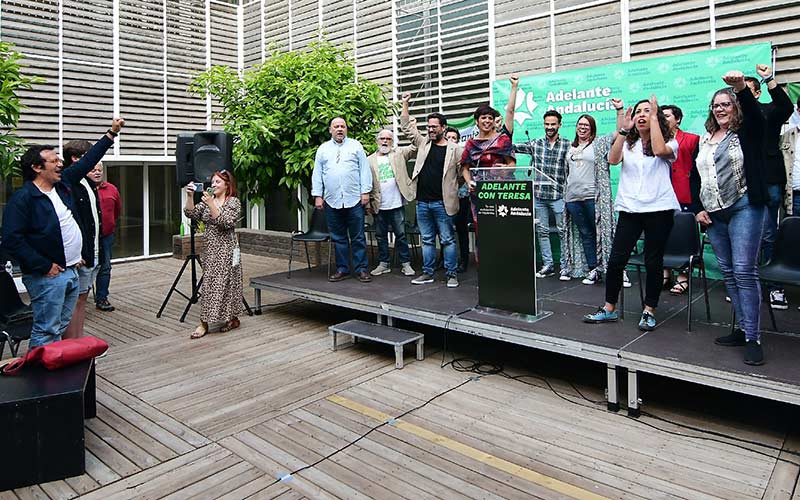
(221, 291)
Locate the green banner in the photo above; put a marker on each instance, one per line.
(793, 89)
(686, 80)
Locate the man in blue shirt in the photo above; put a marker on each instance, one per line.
(41, 231)
(341, 183)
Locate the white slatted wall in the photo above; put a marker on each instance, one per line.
(276, 25)
(443, 55)
(30, 26)
(760, 21)
(186, 56)
(141, 76)
(87, 98)
(374, 40)
(162, 44)
(252, 33)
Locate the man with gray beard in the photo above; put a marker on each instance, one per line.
(392, 189)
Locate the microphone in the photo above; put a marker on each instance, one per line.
(530, 149)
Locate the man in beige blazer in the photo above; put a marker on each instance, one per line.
(435, 177)
(392, 189)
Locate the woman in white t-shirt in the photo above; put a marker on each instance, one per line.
(645, 201)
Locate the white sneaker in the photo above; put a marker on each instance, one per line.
(422, 279)
(626, 282)
(407, 269)
(564, 276)
(545, 272)
(383, 268)
(591, 278)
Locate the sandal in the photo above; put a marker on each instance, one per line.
(198, 333)
(230, 325)
(679, 288)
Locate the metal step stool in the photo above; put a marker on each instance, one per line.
(379, 333)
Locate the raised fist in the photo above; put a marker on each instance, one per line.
(117, 124)
(735, 79)
(763, 70)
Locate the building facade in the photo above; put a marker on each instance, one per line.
(135, 58)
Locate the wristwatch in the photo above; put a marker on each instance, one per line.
(623, 131)
(768, 79)
(112, 133)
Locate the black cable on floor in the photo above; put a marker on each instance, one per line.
(482, 368)
(382, 424)
(667, 431)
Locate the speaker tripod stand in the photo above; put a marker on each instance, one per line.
(194, 298)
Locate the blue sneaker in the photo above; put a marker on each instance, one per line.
(601, 316)
(648, 322)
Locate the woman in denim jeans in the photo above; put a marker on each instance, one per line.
(729, 191)
(589, 219)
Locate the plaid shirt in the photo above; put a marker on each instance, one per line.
(550, 160)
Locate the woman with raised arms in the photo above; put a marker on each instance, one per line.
(646, 203)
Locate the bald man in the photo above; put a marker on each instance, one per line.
(340, 184)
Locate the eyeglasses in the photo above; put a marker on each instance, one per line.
(720, 105)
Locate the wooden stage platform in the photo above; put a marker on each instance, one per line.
(669, 351)
(227, 416)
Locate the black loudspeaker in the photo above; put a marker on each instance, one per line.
(184, 164)
(212, 151)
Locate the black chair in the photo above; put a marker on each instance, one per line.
(370, 230)
(317, 233)
(784, 266)
(415, 239)
(15, 316)
(683, 252)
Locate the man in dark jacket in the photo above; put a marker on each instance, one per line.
(775, 113)
(40, 231)
(87, 206)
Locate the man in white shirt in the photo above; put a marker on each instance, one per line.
(392, 189)
(40, 232)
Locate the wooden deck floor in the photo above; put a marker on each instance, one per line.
(229, 415)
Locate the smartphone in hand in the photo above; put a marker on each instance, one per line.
(198, 187)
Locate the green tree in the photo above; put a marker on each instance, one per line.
(11, 82)
(279, 112)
